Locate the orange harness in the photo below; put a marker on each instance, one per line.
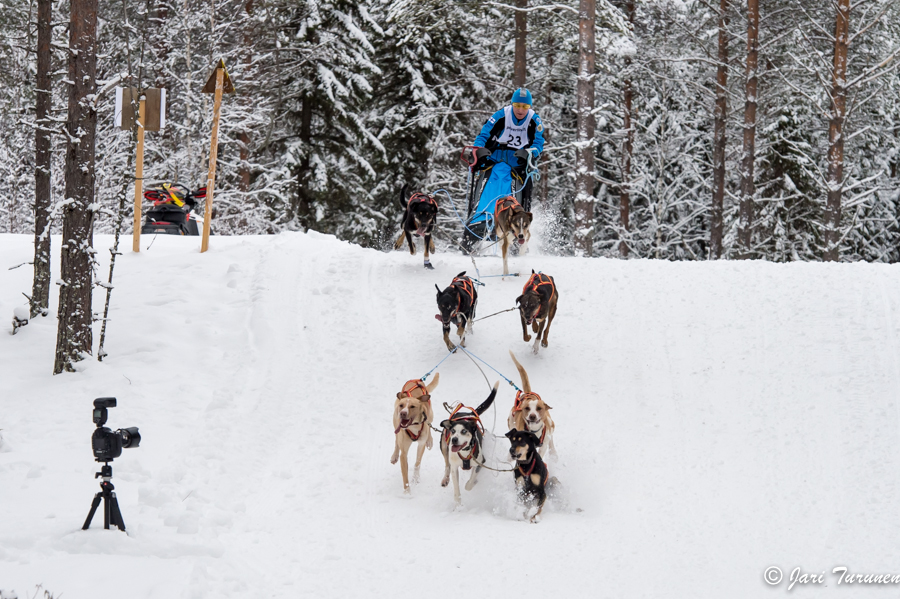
(408, 388)
(464, 285)
(422, 197)
(522, 397)
(504, 204)
(412, 385)
(537, 280)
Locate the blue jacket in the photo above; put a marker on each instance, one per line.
(489, 137)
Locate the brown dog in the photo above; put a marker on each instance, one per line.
(531, 413)
(412, 423)
(512, 223)
(537, 307)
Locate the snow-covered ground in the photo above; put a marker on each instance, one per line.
(713, 420)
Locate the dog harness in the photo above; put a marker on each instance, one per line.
(504, 204)
(522, 397)
(463, 285)
(467, 464)
(422, 197)
(530, 470)
(538, 280)
(421, 430)
(410, 386)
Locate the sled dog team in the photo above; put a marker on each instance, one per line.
(462, 433)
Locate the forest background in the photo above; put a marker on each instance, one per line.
(706, 141)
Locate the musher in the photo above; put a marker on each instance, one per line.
(504, 138)
(511, 129)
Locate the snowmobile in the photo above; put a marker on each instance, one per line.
(484, 187)
(171, 211)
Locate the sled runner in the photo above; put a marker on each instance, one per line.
(171, 211)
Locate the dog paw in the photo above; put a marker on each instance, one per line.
(394, 458)
(535, 519)
(526, 338)
(543, 344)
(429, 443)
(415, 477)
(429, 266)
(445, 481)
(471, 484)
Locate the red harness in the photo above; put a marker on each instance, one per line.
(530, 470)
(446, 434)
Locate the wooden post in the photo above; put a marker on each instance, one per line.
(213, 152)
(139, 176)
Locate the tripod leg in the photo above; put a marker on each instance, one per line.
(116, 514)
(106, 511)
(94, 504)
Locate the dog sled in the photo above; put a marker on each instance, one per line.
(172, 211)
(484, 187)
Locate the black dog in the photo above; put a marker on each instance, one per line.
(419, 217)
(457, 305)
(531, 471)
(461, 443)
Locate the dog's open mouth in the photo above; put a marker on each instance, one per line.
(405, 422)
(456, 448)
(420, 231)
(520, 240)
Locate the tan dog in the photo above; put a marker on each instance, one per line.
(512, 223)
(531, 413)
(412, 423)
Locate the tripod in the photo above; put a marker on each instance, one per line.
(111, 513)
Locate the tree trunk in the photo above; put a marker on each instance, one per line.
(519, 67)
(748, 158)
(719, 136)
(74, 339)
(627, 148)
(548, 93)
(244, 137)
(835, 132)
(40, 291)
(584, 154)
(303, 209)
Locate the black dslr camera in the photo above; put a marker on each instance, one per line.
(108, 444)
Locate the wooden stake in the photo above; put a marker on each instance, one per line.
(213, 151)
(139, 177)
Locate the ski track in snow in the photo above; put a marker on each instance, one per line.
(713, 419)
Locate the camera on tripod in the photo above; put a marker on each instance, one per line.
(108, 444)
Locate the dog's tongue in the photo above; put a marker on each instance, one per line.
(455, 448)
(438, 317)
(420, 232)
(520, 241)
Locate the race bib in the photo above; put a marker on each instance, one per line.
(515, 136)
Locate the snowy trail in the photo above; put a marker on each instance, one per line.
(712, 420)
